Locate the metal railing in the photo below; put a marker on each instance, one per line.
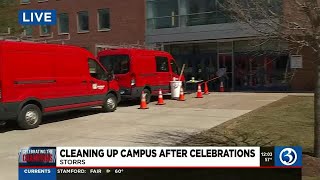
(105, 46)
(192, 19)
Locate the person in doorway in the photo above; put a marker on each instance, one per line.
(199, 72)
(223, 76)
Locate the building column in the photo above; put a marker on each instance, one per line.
(150, 15)
(183, 11)
(233, 68)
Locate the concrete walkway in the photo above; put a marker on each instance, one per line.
(129, 126)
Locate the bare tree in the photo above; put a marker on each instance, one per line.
(294, 21)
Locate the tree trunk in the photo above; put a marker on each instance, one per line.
(317, 112)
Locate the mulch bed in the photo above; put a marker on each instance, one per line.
(311, 166)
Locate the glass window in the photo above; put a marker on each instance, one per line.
(104, 19)
(96, 71)
(225, 47)
(174, 67)
(24, 1)
(83, 21)
(118, 64)
(63, 23)
(162, 14)
(28, 30)
(162, 64)
(201, 12)
(165, 7)
(200, 6)
(45, 30)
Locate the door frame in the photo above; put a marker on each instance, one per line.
(231, 53)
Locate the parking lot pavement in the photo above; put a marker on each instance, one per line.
(129, 126)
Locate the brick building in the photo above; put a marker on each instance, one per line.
(91, 24)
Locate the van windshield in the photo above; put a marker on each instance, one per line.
(118, 64)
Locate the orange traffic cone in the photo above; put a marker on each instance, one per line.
(181, 97)
(221, 87)
(143, 104)
(199, 93)
(206, 89)
(160, 98)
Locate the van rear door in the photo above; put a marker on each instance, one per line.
(163, 73)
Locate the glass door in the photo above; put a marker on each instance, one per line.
(225, 65)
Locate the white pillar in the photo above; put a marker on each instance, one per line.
(183, 11)
(150, 15)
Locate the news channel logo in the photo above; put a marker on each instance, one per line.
(37, 17)
(37, 156)
(288, 156)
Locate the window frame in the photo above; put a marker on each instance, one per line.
(98, 20)
(21, 2)
(78, 23)
(24, 29)
(59, 26)
(45, 35)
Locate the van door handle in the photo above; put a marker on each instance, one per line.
(91, 82)
(84, 81)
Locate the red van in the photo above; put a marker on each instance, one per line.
(138, 70)
(37, 79)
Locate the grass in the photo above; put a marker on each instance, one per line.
(288, 121)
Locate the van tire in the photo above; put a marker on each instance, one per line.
(148, 96)
(29, 117)
(110, 104)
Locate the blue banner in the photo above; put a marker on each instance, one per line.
(37, 174)
(37, 17)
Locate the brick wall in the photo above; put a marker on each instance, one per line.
(127, 20)
(304, 79)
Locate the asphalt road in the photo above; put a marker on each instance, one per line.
(128, 126)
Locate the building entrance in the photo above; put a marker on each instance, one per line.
(248, 65)
(225, 66)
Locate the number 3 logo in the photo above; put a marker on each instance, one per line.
(288, 156)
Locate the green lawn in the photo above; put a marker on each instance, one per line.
(288, 121)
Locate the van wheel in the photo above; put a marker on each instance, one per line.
(110, 104)
(148, 95)
(29, 117)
